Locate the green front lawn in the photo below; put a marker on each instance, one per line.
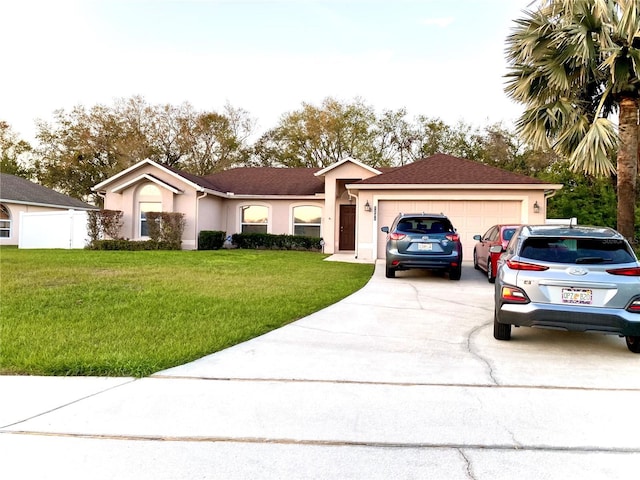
(112, 313)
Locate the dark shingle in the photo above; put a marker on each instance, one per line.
(447, 169)
(20, 190)
(267, 181)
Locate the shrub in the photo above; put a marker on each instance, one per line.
(132, 245)
(166, 228)
(104, 223)
(211, 239)
(269, 241)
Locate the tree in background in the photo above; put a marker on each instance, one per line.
(319, 136)
(14, 153)
(83, 147)
(574, 64)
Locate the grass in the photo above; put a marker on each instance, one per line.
(80, 312)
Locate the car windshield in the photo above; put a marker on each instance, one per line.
(424, 225)
(576, 250)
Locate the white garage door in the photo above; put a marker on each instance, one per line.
(469, 217)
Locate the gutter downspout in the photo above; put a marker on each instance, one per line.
(351, 195)
(195, 227)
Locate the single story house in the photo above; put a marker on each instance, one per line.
(345, 203)
(21, 198)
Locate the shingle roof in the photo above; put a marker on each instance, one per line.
(447, 169)
(20, 190)
(266, 181)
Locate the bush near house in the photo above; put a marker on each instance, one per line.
(211, 239)
(267, 241)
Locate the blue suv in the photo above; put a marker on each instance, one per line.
(426, 241)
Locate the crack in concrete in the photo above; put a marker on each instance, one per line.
(469, 467)
(471, 348)
(59, 407)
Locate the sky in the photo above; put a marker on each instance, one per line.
(439, 58)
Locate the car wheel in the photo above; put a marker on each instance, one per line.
(475, 260)
(455, 273)
(490, 275)
(633, 343)
(390, 272)
(501, 331)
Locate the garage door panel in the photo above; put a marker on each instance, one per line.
(470, 217)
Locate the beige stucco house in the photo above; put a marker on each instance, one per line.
(47, 211)
(346, 203)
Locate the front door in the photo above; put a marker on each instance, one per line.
(347, 240)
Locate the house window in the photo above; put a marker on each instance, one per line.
(307, 220)
(5, 222)
(254, 219)
(144, 208)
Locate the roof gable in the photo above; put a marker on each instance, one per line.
(20, 190)
(442, 169)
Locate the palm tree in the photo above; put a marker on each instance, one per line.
(574, 65)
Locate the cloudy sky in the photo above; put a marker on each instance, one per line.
(440, 58)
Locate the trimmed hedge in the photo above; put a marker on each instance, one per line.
(268, 241)
(211, 239)
(132, 245)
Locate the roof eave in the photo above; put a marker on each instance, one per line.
(453, 186)
(49, 205)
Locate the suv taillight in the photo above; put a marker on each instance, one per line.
(453, 237)
(532, 267)
(634, 306)
(513, 294)
(629, 272)
(396, 236)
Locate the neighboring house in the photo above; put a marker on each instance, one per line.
(20, 199)
(345, 203)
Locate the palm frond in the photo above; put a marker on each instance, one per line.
(594, 152)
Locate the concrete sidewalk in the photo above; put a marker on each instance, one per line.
(400, 380)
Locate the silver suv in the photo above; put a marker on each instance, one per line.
(423, 240)
(576, 278)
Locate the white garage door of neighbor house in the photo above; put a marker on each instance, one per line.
(469, 217)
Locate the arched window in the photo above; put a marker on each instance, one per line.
(5, 222)
(149, 200)
(254, 219)
(307, 220)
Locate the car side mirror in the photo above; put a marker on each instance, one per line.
(477, 237)
(385, 229)
(496, 249)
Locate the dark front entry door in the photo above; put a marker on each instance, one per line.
(347, 227)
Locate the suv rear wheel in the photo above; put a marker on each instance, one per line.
(633, 343)
(501, 331)
(455, 273)
(390, 272)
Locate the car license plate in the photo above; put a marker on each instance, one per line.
(425, 246)
(578, 296)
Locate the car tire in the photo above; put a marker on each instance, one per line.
(633, 343)
(475, 260)
(490, 274)
(390, 272)
(501, 331)
(455, 273)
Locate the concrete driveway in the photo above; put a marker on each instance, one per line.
(403, 379)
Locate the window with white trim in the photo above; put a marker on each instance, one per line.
(254, 219)
(5, 222)
(146, 207)
(307, 220)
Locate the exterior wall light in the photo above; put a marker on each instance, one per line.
(367, 207)
(536, 207)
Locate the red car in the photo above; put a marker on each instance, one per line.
(489, 248)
